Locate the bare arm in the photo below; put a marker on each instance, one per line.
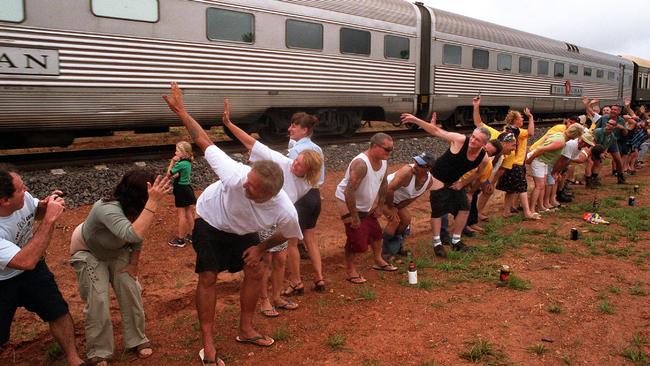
(628, 108)
(381, 196)
(156, 192)
(247, 140)
(176, 104)
(531, 122)
(476, 114)
(556, 145)
(27, 258)
(432, 128)
(358, 171)
(401, 179)
(589, 106)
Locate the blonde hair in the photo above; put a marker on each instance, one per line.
(511, 117)
(186, 149)
(313, 163)
(574, 131)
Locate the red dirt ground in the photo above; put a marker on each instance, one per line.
(387, 322)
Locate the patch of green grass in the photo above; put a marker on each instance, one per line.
(554, 309)
(425, 284)
(552, 248)
(606, 308)
(336, 341)
(519, 284)
(566, 359)
(637, 289)
(625, 251)
(635, 352)
(53, 351)
(366, 293)
(448, 266)
(483, 351)
(614, 290)
(281, 333)
(539, 349)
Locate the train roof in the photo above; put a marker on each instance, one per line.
(637, 60)
(391, 11)
(454, 24)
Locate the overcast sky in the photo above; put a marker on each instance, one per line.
(590, 24)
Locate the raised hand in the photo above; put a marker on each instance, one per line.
(476, 101)
(159, 188)
(527, 112)
(627, 102)
(225, 118)
(175, 99)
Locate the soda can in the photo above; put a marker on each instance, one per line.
(574, 233)
(505, 273)
(636, 188)
(631, 201)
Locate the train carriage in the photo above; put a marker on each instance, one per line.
(71, 68)
(641, 85)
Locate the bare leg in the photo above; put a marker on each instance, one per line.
(350, 264)
(435, 226)
(507, 203)
(483, 199)
(459, 222)
(277, 276)
(248, 296)
(523, 198)
(265, 302)
(314, 252)
(548, 189)
(206, 298)
(553, 197)
(62, 330)
(189, 219)
(376, 253)
(538, 191)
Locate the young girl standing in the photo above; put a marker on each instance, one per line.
(180, 168)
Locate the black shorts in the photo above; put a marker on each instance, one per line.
(218, 250)
(308, 207)
(36, 291)
(183, 195)
(513, 180)
(446, 200)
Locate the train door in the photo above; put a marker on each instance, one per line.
(621, 80)
(425, 94)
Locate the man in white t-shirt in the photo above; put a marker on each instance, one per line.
(360, 198)
(25, 279)
(575, 151)
(245, 201)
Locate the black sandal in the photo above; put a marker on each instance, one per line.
(293, 290)
(319, 286)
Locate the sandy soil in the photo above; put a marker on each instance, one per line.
(386, 322)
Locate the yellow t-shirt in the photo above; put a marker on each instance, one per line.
(493, 132)
(485, 173)
(552, 130)
(519, 156)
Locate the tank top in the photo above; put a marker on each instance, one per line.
(450, 167)
(408, 192)
(367, 192)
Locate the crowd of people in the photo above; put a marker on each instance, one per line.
(253, 217)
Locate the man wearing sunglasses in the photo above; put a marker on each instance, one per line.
(404, 186)
(360, 198)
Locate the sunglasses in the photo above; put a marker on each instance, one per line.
(387, 149)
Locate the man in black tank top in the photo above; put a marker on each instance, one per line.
(448, 191)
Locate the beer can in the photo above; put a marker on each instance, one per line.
(631, 201)
(505, 273)
(636, 188)
(574, 233)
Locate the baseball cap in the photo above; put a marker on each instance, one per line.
(582, 119)
(425, 159)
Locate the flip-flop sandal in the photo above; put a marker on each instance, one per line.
(357, 280)
(255, 340)
(270, 313)
(204, 362)
(100, 361)
(319, 286)
(294, 290)
(386, 267)
(141, 349)
(290, 305)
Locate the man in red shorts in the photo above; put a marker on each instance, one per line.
(360, 197)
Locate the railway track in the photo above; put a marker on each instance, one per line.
(105, 155)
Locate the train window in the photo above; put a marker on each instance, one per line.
(12, 11)
(586, 72)
(141, 10)
(558, 70)
(452, 55)
(396, 47)
(573, 69)
(600, 74)
(542, 67)
(355, 41)
(228, 25)
(610, 75)
(525, 65)
(304, 35)
(504, 62)
(480, 59)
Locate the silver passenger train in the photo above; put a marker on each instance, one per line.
(72, 68)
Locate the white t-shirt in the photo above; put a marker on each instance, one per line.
(571, 150)
(408, 192)
(305, 143)
(368, 190)
(15, 233)
(294, 186)
(224, 204)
